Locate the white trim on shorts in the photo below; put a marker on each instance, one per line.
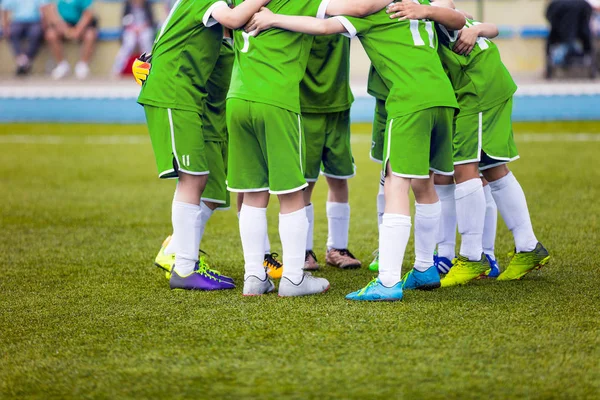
(290, 190)
(311, 180)
(410, 176)
(389, 142)
(479, 144)
(498, 163)
(374, 159)
(300, 142)
(168, 171)
(175, 150)
(437, 171)
(213, 200)
(338, 176)
(247, 190)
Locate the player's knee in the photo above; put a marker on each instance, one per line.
(495, 173)
(51, 35)
(443, 179)
(465, 172)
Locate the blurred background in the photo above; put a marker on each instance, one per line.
(56, 53)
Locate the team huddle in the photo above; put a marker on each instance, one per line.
(266, 110)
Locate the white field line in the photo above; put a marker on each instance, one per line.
(357, 138)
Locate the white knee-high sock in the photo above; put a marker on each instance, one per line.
(394, 233)
(205, 214)
(447, 232)
(267, 243)
(293, 228)
(253, 229)
(186, 236)
(427, 225)
(380, 200)
(491, 222)
(512, 204)
(310, 216)
(338, 218)
(470, 215)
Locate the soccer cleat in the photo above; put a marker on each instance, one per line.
(464, 271)
(374, 266)
(273, 266)
(494, 269)
(254, 286)
(376, 291)
(342, 258)
(310, 261)
(423, 280)
(442, 264)
(525, 262)
(198, 280)
(308, 285)
(166, 261)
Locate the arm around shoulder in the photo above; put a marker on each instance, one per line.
(234, 18)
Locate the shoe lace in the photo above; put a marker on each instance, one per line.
(204, 269)
(310, 253)
(346, 252)
(272, 261)
(372, 283)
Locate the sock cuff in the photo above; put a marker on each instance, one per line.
(338, 210)
(295, 214)
(246, 209)
(395, 220)
(445, 191)
(502, 182)
(466, 188)
(188, 206)
(428, 210)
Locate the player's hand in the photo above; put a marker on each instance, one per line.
(261, 21)
(408, 10)
(141, 68)
(467, 37)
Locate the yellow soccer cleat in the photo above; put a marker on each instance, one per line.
(464, 271)
(163, 260)
(273, 266)
(523, 263)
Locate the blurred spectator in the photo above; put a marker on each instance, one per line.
(138, 32)
(72, 20)
(570, 37)
(22, 22)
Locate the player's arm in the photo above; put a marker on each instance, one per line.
(446, 16)
(467, 37)
(355, 8)
(234, 18)
(265, 19)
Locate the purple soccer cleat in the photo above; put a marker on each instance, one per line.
(198, 280)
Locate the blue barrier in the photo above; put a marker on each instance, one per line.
(126, 110)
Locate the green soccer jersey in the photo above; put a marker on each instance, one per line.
(183, 56)
(325, 87)
(376, 87)
(268, 68)
(480, 79)
(404, 53)
(215, 123)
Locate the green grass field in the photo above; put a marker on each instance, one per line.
(85, 314)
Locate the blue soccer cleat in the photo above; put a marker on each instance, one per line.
(442, 264)
(375, 291)
(425, 280)
(495, 270)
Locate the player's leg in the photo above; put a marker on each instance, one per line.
(247, 172)
(470, 201)
(54, 40)
(499, 149)
(286, 157)
(310, 258)
(489, 230)
(178, 145)
(445, 187)
(314, 126)
(407, 157)
(338, 167)
(377, 143)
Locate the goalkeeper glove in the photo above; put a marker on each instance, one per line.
(141, 68)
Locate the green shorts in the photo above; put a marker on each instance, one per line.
(486, 137)
(266, 148)
(379, 124)
(418, 143)
(179, 145)
(328, 150)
